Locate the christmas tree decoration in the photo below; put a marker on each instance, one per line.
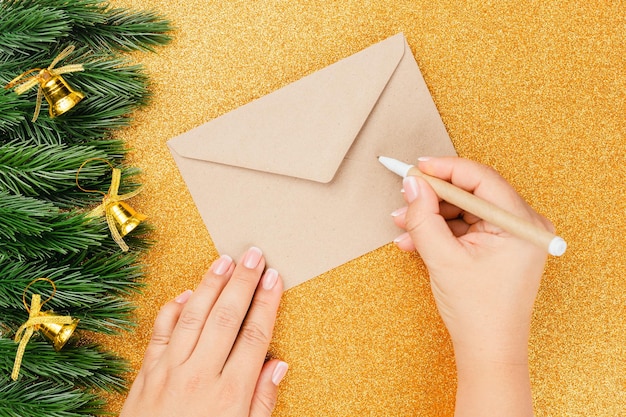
(57, 329)
(121, 218)
(46, 227)
(58, 94)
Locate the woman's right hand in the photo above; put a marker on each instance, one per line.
(484, 281)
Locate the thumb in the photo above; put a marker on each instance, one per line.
(429, 231)
(266, 391)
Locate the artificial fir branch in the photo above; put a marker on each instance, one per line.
(45, 170)
(127, 31)
(36, 229)
(77, 286)
(100, 26)
(49, 233)
(47, 398)
(107, 314)
(10, 114)
(90, 290)
(49, 172)
(85, 366)
(28, 29)
(96, 116)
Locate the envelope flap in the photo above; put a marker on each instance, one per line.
(304, 129)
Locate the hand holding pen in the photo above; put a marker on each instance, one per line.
(484, 281)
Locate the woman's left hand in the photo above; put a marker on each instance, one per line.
(208, 347)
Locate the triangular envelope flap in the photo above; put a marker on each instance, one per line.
(304, 129)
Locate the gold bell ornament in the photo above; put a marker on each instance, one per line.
(121, 217)
(126, 218)
(57, 329)
(57, 333)
(59, 95)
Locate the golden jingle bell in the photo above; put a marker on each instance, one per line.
(59, 95)
(57, 334)
(126, 218)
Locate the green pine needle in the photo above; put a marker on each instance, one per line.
(47, 398)
(44, 227)
(85, 366)
(24, 30)
(49, 172)
(35, 229)
(126, 30)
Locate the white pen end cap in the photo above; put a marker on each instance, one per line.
(557, 246)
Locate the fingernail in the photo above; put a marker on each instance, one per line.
(423, 158)
(411, 188)
(221, 265)
(182, 299)
(252, 258)
(399, 212)
(401, 238)
(270, 278)
(279, 372)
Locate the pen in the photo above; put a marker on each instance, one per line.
(487, 211)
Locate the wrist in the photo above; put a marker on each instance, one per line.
(484, 348)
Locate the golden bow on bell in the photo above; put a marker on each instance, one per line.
(56, 328)
(117, 213)
(60, 96)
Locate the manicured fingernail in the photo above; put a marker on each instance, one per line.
(182, 299)
(270, 278)
(222, 265)
(399, 212)
(252, 258)
(279, 372)
(423, 158)
(411, 188)
(401, 238)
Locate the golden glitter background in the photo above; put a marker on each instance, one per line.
(533, 88)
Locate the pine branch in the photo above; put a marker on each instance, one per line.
(45, 170)
(90, 291)
(127, 30)
(24, 30)
(47, 398)
(98, 26)
(113, 90)
(78, 284)
(10, 113)
(84, 366)
(107, 315)
(34, 229)
(84, 13)
(49, 172)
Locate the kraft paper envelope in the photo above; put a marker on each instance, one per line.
(295, 172)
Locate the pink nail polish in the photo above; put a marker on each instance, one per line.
(252, 258)
(222, 265)
(399, 212)
(184, 297)
(423, 158)
(279, 372)
(411, 189)
(401, 238)
(270, 279)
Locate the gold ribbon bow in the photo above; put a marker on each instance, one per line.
(108, 200)
(44, 74)
(35, 319)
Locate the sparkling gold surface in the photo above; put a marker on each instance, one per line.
(534, 89)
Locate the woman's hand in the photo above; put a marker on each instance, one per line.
(208, 348)
(484, 281)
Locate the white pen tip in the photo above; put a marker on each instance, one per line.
(395, 166)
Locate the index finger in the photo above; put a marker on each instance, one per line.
(479, 179)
